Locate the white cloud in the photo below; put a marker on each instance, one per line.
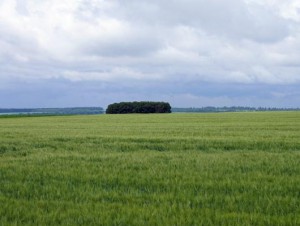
(115, 75)
(216, 41)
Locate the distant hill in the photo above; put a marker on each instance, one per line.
(54, 111)
(231, 109)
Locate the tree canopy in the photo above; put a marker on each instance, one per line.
(138, 107)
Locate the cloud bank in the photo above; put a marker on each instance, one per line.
(191, 53)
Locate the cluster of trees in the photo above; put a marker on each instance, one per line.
(138, 107)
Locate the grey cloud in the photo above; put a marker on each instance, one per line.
(187, 52)
(140, 42)
(63, 93)
(232, 18)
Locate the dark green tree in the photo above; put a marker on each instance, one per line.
(143, 107)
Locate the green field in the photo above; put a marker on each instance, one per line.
(169, 169)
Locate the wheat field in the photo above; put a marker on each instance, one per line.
(155, 169)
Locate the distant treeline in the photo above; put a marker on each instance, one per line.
(231, 109)
(54, 111)
(138, 107)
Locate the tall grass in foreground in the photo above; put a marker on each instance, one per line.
(177, 169)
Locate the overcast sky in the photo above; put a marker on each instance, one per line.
(191, 53)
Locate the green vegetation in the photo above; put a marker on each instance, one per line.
(53, 111)
(166, 169)
(231, 109)
(138, 107)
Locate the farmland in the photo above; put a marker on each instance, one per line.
(174, 169)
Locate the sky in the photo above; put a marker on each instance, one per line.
(190, 53)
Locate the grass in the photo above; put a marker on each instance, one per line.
(174, 169)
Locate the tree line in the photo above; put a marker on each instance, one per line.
(54, 111)
(138, 107)
(231, 109)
